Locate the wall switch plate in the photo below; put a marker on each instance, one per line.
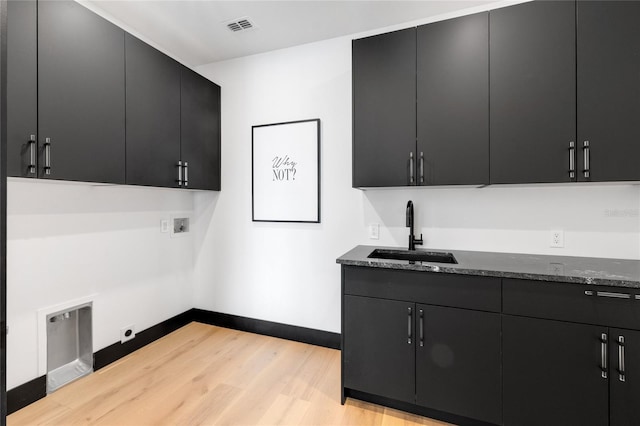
(557, 239)
(164, 226)
(374, 231)
(127, 333)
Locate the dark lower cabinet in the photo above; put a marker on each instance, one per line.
(153, 116)
(441, 360)
(532, 92)
(458, 362)
(384, 110)
(608, 90)
(624, 379)
(81, 95)
(199, 131)
(22, 95)
(553, 373)
(379, 354)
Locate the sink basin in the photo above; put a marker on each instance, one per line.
(413, 256)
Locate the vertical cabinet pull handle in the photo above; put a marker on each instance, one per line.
(572, 159)
(179, 180)
(409, 321)
(32, 154)
(186, 174)
(47, 156)
(586, 153)
(603, 354)
(621, 369)
(421, 327)
(411, 177)
(422, 167)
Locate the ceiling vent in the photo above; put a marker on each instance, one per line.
(240, 24)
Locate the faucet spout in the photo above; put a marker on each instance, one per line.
(413, 241)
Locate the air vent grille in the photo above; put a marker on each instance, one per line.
(240, 24)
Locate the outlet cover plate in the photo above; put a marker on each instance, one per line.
(556, 239)
(374, 231)
(127, 333)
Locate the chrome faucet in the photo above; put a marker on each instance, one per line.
(413, 241)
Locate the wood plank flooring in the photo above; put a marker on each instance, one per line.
(206, 375)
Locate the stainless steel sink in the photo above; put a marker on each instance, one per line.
(413, 256)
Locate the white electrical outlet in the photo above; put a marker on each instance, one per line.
(127, 333)
(557, 239)
(374, 231)
(164, 226)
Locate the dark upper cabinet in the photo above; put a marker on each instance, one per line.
(384, 109)
(22, 96)
(200, 131)
(378, 354)
(532, 92)
(552, 373)
(608, 90)
(81, 95)
(453, 101)
(458, 362)
(153, 116)
(625, 377)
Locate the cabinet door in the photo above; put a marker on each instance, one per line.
(80, 94)
(458, 362)
(384, 109)
(532, 92)
(625, 377)
(22, 96)
(453, 101)
(379, 347)
(153, 115)
(200, 130)
(609, 89)
(552, 373)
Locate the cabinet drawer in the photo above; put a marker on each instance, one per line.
(608, 306)
(461, 291)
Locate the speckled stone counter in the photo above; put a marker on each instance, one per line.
(565, 269)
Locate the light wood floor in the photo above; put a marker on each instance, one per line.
(208, 375)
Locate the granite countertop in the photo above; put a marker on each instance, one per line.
(566, 269)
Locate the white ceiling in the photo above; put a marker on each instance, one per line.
(195, 30)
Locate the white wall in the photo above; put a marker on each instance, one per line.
(279, 272)
(66, 241)
(287, 272)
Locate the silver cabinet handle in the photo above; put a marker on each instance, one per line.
(586, 153)
(608, 294)
(186, 174)
(421, 327)
(409, 321)
(422, 167)
(179, 180)
(621, 375)
(32, 154)
(603, 354)
(411, 177)
(572, 159)
(614, 295)
(47, 156)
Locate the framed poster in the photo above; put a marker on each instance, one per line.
(285, 161)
